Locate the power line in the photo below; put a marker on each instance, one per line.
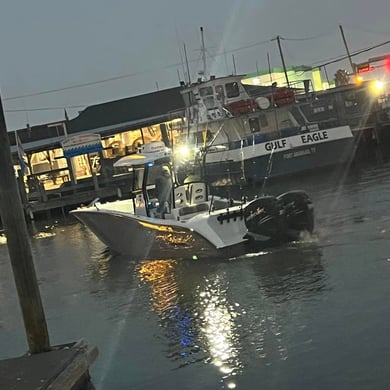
(353, 54)
(74, 86)
(307, 38)
(120, 77)
(43, 108)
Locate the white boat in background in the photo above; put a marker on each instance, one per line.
(165, 217)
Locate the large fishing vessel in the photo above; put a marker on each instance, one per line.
(239, 132)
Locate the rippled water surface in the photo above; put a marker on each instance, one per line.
(308, 315)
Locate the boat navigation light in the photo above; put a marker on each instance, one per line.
(378, 85)
(184, 151)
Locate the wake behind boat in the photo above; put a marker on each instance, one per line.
(166, 217)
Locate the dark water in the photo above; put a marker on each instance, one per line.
(309, 315)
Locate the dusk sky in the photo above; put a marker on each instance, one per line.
(55, 45)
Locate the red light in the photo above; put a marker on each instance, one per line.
(387, 64)
(366, 67)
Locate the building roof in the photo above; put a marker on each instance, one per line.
(106, 118)
(134, 111)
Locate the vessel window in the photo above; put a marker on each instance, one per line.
(220, 92)
(349, 103)
(232, 90)
(317, 110)
(254, 125)
(206, 91)
(209, 102)
(263, 120)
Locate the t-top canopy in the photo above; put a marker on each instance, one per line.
(150, 153)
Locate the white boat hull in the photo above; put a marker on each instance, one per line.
(144, 237)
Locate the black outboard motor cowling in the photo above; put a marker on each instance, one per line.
(265, 219)
(298, 212)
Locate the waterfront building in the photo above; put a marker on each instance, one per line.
(122, 126)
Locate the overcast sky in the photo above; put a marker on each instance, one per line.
(51, 44)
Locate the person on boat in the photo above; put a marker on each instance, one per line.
(164, 188)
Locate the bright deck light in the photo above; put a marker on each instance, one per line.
(376, 87)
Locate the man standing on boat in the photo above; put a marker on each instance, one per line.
(164, 188)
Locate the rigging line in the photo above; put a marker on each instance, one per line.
(246, 47)
(367, 30)
(268, 170)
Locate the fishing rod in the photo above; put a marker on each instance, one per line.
(268, 170)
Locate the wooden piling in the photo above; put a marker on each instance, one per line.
(19, 248)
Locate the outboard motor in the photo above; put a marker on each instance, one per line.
(264, 220)
(298, 213)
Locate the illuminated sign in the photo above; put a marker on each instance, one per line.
(81, 144)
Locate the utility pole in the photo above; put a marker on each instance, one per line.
(347, 49)
(283, 63)
(19, 249)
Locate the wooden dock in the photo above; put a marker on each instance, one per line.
(65, 367)
(71, 196)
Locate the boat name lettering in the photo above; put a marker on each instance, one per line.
(314, 137)
(278, 144)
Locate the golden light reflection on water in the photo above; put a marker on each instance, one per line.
(160, 275)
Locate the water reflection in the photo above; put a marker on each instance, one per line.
(224, 313)
(294, 272)
(219, 328)
(197, 316)
(164, 289)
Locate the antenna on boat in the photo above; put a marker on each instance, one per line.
(203, 50)
(234, 65)
(188, 67)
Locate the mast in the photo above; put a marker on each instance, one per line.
(188, 67)
(203, 50)
(234, 65)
